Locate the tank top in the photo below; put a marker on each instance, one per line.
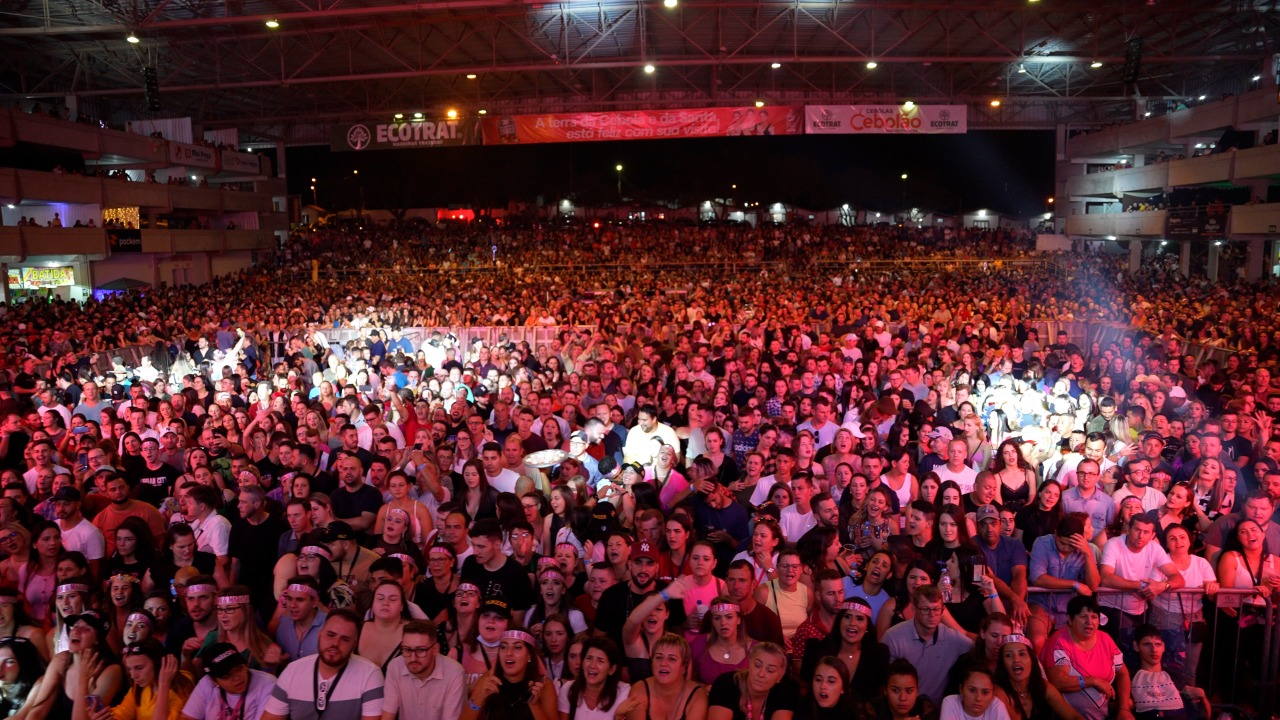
(792, 607)
(904, 492)
(706, 594)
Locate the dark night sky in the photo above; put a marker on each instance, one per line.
(1009, 171)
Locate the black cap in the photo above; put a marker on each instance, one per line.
(221, 658)
(66, 494)
(339, 530)
(496, 605)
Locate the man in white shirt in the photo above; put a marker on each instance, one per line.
(797, 518)
(824, 431)
(421, 683)
(640, 447)
(213, 531)
(957, 467)
(78, 534)
(1137, 477)
(500, 478)
(1095, 448)
(1130, 562)
(786, 462)
(230, 690)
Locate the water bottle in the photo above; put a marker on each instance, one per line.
(945, 586)
(698, 612)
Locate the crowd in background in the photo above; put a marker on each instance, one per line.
(830, 490)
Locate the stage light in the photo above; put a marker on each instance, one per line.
(1256, 78)
(399, 116)
(417, 116)
(759, 103)
(1022, 69)
(133, 38)
(995, 103)
(451, 114)
(776, 65)
(471, 76)
(904, 176)
(872, 64)
(1095, 64)
(482, 111)
(908, 105)
(273, 23)
(670, 3)
(649, 68)
(1146, 114)
(1201, 97)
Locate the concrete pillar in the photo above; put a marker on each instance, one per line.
(280, 166)
(1184, 259)
(4, 283)
(1256, 259)
(1215, 251)
(1135, 255)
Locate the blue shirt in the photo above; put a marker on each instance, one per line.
(1007, 555)
(1100, 508)
(287, 637)
(1046, 560)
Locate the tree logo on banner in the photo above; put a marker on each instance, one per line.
(358, 137)
(944, 114)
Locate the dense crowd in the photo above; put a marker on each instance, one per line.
(831, 492)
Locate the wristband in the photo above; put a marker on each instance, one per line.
(1079, 676)
(992, 596)
(1076, 587)
(473, 705)
(663, 594)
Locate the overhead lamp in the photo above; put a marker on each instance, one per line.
(133, 38)
(313, 179)
(649, 68)
(1256, 78)
(273, 23)
(908, 105)
(1022, 69)
(399, 116)
(904, 176)
(451, 114)
(872, 64)
(1146, 114)
(759, 103)
(417, 116)
(776, 65)
(482, 111)
(471, 76)
(1095, 64)
(995, 103)
(1201, 97)
(670, 3)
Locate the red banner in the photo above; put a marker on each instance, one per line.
(643, 125)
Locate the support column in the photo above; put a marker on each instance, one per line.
(1135, 255)
(1255, 259)
(1184, 259)
(280, 166)
(4, 283)
(1215, 252)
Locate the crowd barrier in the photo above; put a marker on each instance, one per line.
(1248, 686)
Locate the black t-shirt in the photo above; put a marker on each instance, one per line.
(152, 486)
(509, 582)
(725, 693)
(432, 601)
(17, 446)
(257, 566)
(617, 602)
(348, 504)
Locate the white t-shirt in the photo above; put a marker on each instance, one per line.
(85, 538)
(761, 493)
(794, 524)
(1151, 499)
(504, 481)
(952, 709)
(562, 701)
(1196, 575)
(213, 534)
(1142, 565)
(965, 478)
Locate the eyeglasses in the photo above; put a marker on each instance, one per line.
(228, 609)
(930, 609)
(417, 651)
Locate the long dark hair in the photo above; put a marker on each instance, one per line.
(579, 685)
(1036, 686)
(144, 550)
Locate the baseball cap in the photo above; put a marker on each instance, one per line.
(986, 512)
(339, 530)
(1178, 392)
(496, 605)
(221, 658)
(940, 432)
(66, 494)
(853, 430)
(91, 618)
(644, 549)
(1152, 435)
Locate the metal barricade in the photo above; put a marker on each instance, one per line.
(1228, 686)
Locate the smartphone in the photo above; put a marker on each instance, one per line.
(417, 447)
(95, 703)
(979, 572)
(80, 430)
(83, 460)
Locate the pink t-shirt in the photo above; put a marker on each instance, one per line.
(676, 484)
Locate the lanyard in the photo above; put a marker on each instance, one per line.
(238, 713)
(322, 701)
